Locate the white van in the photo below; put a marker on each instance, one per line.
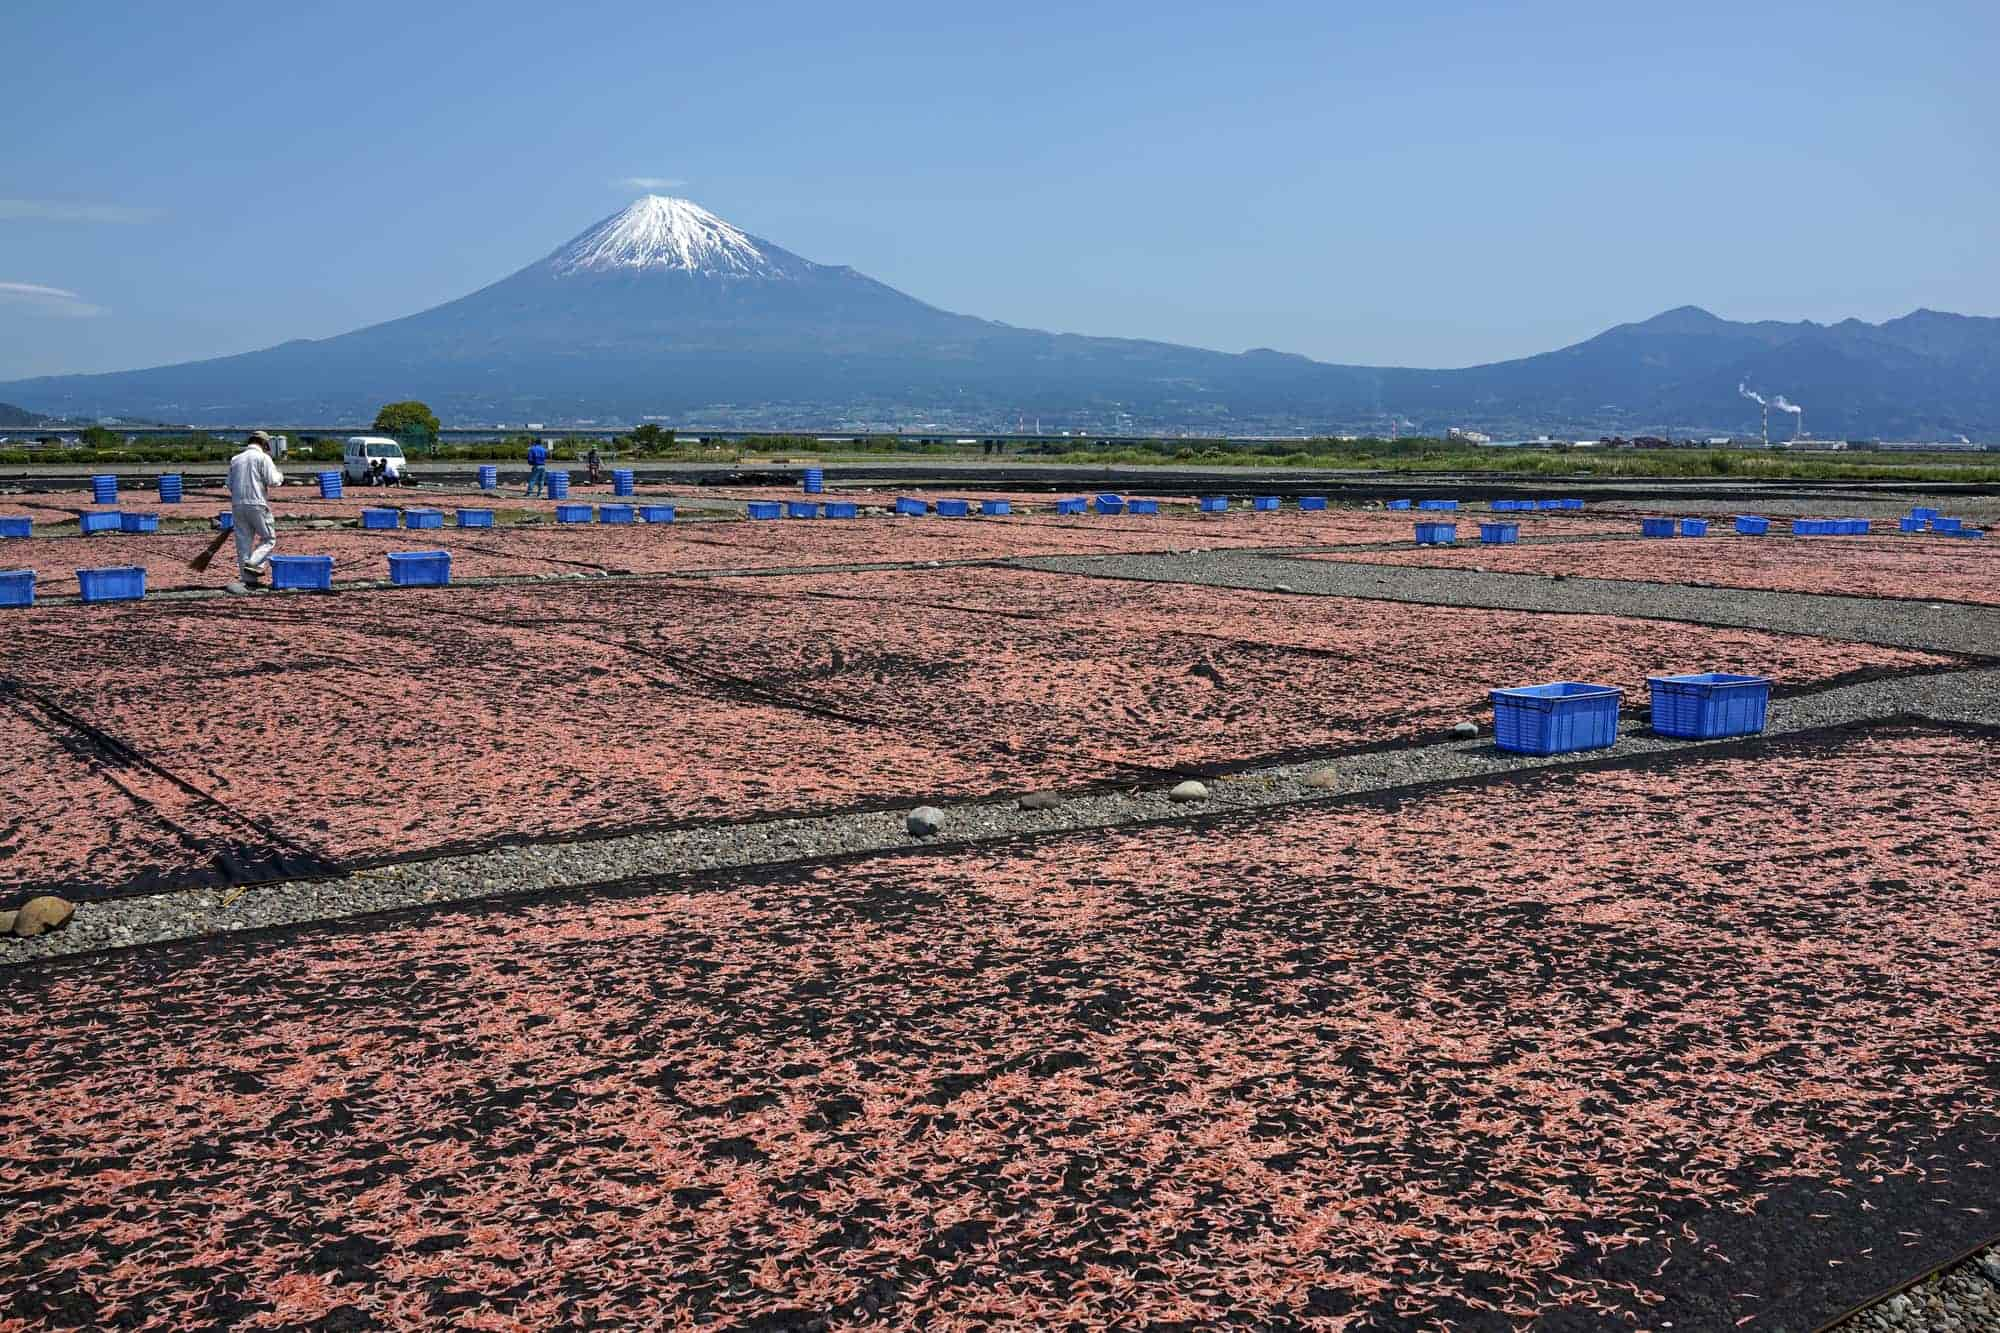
(362, 450)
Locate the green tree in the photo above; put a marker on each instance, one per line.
(412, 416)
(100, 437)
(413, 424)
(650, 439)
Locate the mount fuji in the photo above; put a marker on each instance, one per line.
(666, 310)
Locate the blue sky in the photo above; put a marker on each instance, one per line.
(1416, 183)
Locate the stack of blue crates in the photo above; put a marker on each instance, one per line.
(170, 488)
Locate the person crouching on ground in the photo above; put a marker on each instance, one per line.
(538, 468)
(251, 475)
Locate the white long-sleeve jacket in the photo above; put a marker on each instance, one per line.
(251, 474)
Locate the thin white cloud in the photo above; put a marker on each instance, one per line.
(47, 300)
(51, 210)
(651, 183)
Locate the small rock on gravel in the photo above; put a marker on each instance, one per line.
(1188, 791)
(236, 588)
(1281, 587)
(7, 922)
(39, 916)
(924, 821)
(1466, 729)
(1322, 779)
(1041, 800)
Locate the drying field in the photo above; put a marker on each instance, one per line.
(1372, 1065)
(1897, 566)
(202, 742)
(549, 952)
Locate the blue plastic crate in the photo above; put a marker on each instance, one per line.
(954, 508)
(1109, 504)
(991, 508)
(331, 486)
(1142, 506)
(1862, 527)
(99, 522)
(1975, 534)
(580, 513)
(1656, 527)
(1558, 718)
(615, 514)
(558, 485)
(1397, 504)
(1570, 503)
(489, 477)
(1437, 504)
(1548, 504)
(849, 509)
(1709, 704)
(801, 509)
(1310, 503)
(622, 482)
(1072, 506)
(1436, 534)
(474, 518)
(225, 520)
(419, 569)
(104, 489)
(17, 587)
(911, 508)
(1909, 525)
(1752, 526)
(117, 583)
(759, 509)
(423, 518)
(1694, 527)
(814, 481)
(1213, 504)
(1263, 504)
(138, 522)
(1500, 534)
(657, 513)
(17, 526)
(378, 518)
(312, 573)
(1946, 524)
(170, 488)
(1922, 512)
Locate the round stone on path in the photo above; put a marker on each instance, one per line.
(1188, 791)
(1466, 729)
(1041, 800)
(1322, 779)
(39, 916)
(924, 821)
(236, 588)
(1281, 587)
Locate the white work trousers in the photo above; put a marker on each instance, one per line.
(256, 536)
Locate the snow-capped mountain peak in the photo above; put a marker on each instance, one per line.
(658, 232)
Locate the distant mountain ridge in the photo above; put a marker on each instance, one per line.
(665, 310)
(13, 418)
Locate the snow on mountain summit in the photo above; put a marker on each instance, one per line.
(658, 232)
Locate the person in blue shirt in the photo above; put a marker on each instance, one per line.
(538, 468)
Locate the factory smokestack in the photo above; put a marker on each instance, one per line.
(1798, 415)
(1758, 399)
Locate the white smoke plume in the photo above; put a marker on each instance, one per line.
(1744, 389)
(1783, 406)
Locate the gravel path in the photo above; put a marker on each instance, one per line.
(1963, 1299)
(1947, 627)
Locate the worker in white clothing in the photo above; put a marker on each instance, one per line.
(251, 475)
